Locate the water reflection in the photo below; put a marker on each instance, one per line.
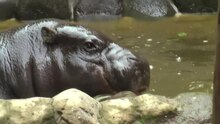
(194, 56)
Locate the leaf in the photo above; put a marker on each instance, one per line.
(182, 34)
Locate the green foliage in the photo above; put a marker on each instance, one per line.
(182, 34)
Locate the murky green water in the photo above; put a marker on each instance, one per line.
(181, 50)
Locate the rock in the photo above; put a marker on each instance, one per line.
(127, 110)
(7, 9)
(37, 9)
(155, 105)
(118, 111)
(71, 106)
(196, 6)
(149, 8)
(87, 9)
(75, 107)
(26, 111)
(196, 108)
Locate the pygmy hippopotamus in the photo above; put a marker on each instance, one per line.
(48, 56)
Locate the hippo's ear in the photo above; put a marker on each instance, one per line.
(48, 34)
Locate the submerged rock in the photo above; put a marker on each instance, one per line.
(149, 8)
(92, 9)
(86, 9)
(7, 9)
(37, 9)
(196, 108)
(196, 6)
(101, 9)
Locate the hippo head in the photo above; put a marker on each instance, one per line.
(91, 62)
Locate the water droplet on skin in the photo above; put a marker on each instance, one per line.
(151, 67)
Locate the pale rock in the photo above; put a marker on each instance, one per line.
(26, 111)
(154, 105)
(129, 109)
(75, 107)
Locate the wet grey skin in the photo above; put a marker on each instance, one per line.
(48, 56)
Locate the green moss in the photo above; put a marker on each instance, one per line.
(182, 34)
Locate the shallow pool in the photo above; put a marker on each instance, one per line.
(180, 50)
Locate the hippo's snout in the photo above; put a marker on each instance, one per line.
(139, 82)
(127, 72)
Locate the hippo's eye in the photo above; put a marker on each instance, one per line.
(89, 46)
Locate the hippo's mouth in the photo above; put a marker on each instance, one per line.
(134, 79)
(109, 84)
(113, 84)
(108, 80)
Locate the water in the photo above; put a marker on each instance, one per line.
(181, 50)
